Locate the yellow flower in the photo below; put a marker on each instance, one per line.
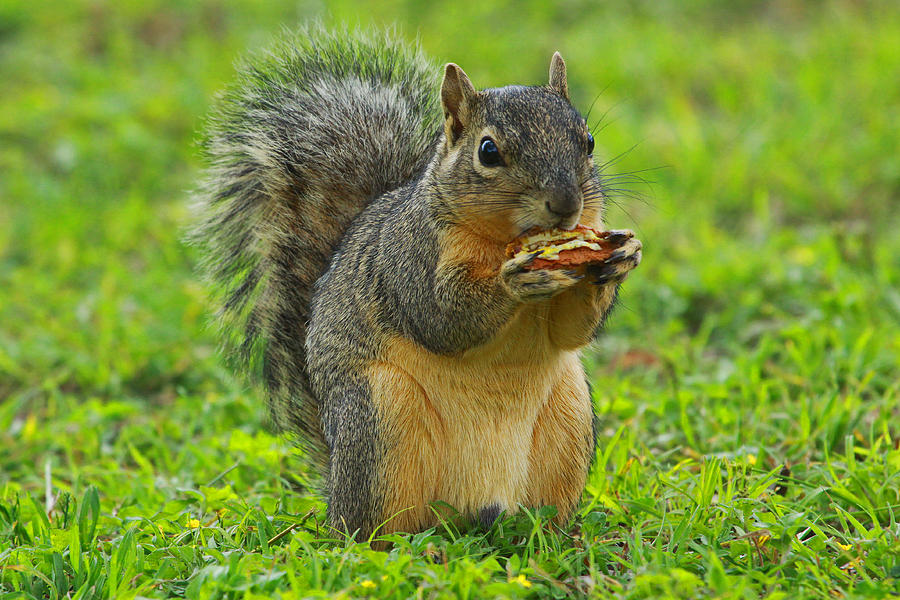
(751, 458)
(30, 427)
(368, 584)
(763, 538)
(384, 577)
(521, 580)
(802, 255)
(844, 547)
(193, 523)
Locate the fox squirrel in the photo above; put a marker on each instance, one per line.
(353, 220)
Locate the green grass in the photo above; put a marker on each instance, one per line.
(749, 384)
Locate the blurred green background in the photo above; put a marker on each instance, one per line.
(772, 130)
(763, 321)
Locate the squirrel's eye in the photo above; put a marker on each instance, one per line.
(488, 153)
(590, 144)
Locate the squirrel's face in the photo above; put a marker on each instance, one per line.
(517, 157)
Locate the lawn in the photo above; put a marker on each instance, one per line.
(748, 384)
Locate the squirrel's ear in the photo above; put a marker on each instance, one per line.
(558, 82)
(457, 94)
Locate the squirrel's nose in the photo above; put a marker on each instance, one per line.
(564, 205)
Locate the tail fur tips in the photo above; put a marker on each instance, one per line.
(310, 134)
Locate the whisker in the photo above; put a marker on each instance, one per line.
(630, 218)
(603, 119)
(616, 158)
(637, 171)
(591, 107)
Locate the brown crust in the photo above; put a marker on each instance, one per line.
(570, 259)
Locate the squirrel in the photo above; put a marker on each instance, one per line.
(352, 220)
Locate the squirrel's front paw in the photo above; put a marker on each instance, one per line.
(616, 267)
(537, 285)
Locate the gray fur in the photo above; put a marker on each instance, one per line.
(449, 311)
(310, 134)
(488, 515)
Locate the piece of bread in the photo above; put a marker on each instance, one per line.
(567, 249)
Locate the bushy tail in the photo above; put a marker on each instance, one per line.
(313, 131)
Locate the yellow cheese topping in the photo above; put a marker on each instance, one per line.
(541, 239)
(552, 252)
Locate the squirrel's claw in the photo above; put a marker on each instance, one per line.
(535, 285)
(615, 268)
(619, 236)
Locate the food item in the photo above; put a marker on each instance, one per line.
(567, 249)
